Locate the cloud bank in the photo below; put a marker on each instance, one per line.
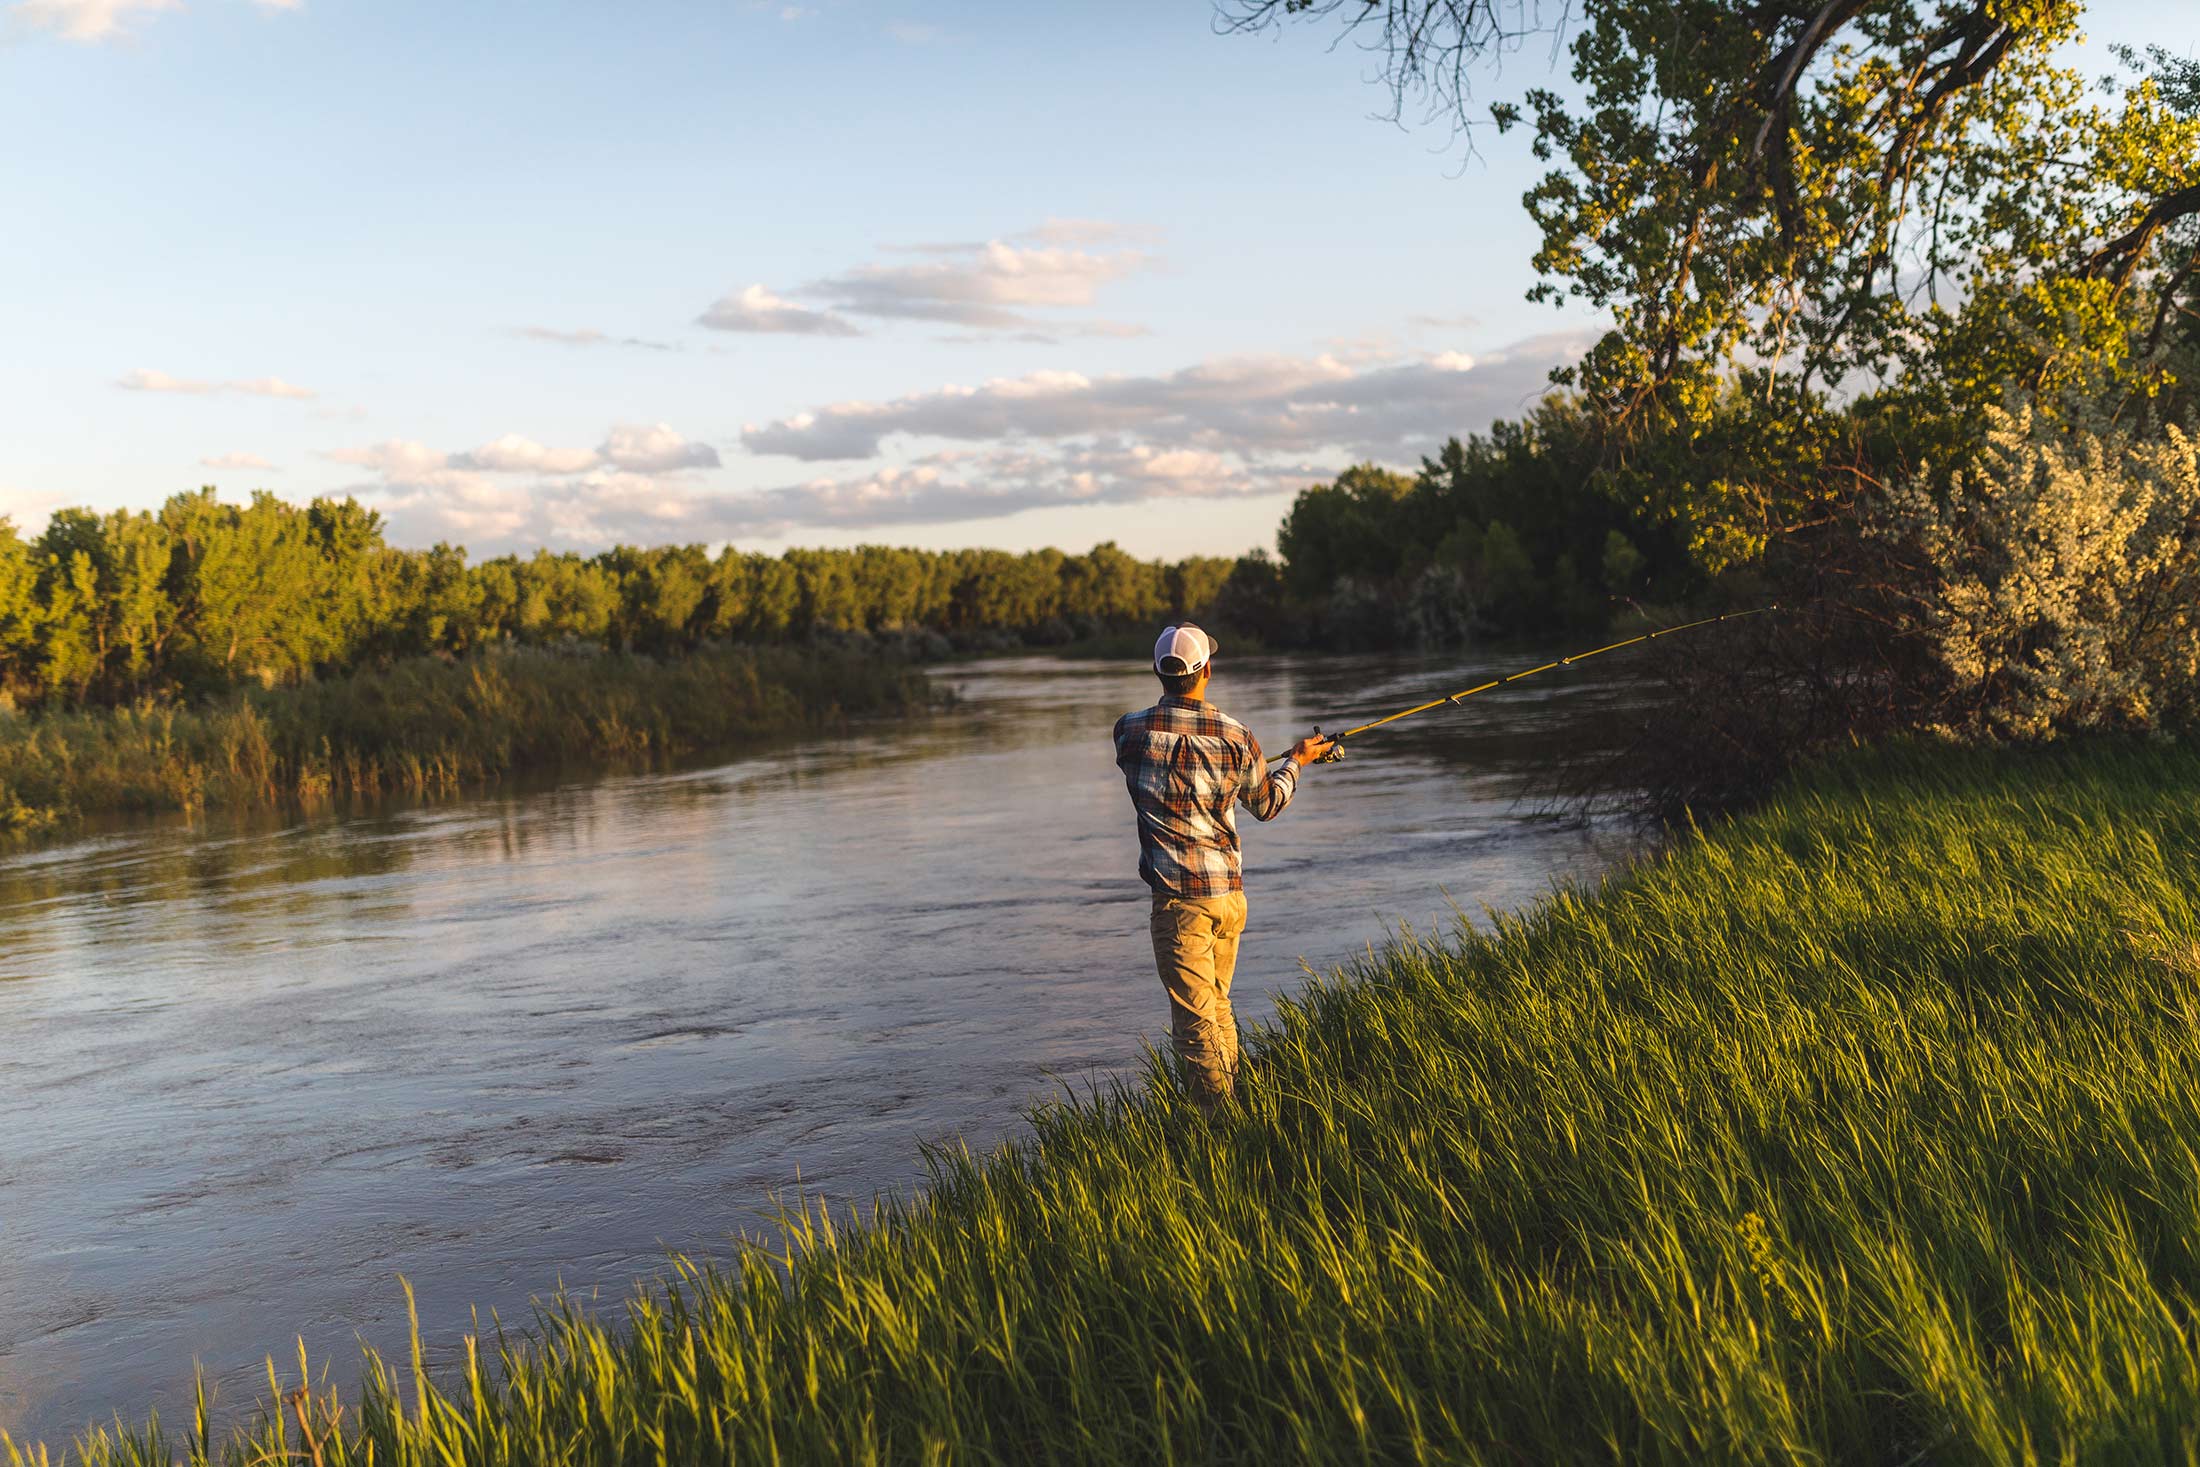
(1252, 406)
(757, 309)
(513, 493)
(1224, 429)
(993, 286)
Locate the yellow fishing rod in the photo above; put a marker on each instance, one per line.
(1337, 751)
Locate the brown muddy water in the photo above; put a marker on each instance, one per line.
(251, 1076)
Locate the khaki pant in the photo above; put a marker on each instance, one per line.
(1195, 947)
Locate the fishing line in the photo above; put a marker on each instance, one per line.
(1337, 752)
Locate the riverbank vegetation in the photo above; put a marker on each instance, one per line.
(1905, 337)
(201, 597)
(208, 654)
(427, 725)
(1859, 1129)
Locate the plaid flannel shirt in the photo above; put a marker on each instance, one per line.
(1188, 766)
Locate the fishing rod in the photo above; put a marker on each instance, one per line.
(1336, 752)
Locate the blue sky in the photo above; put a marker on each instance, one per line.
(781, 274)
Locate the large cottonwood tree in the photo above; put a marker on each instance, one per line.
(1828, 234)
(1824, 189)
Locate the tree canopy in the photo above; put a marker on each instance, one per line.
(201, 595)
(1825, 193)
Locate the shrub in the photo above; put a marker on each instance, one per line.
(2057, 575)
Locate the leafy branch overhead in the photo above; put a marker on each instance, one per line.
(1869, 189)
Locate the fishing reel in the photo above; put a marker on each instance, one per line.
(1336, 749)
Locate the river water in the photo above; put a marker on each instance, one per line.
(251, 1074)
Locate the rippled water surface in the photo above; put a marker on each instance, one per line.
(251, 1075)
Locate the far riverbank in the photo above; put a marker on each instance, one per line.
(429, 725)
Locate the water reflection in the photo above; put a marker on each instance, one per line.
(254, 1071)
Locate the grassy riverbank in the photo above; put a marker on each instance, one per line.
(1865, 1129)
(427, 724)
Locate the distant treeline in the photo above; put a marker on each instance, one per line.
(200, 596)
(1517, 533)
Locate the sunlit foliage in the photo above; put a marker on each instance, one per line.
(202, 596)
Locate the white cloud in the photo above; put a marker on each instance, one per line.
(94, 21)
(270, 387)
(26, 508)
(979, 287)
(85, 20)
(757, 309)
(145, 379)
(993, 286)
(655, 449)
(405, 460)
(473, 510)
(238, 461)
(1360, 350)
(513, 454)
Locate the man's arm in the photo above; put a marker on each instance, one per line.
(1266, 794)
(1115, 736)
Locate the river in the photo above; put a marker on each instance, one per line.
(252, 1073)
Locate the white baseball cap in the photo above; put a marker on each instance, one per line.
(1182, 649)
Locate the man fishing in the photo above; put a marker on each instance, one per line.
(1188, 765)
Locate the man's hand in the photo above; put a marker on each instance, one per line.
(1309, 749)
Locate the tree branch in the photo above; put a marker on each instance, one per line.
(2119, 258)
(1830, 18)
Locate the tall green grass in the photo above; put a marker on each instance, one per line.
(1861, 1130)
(425, 725)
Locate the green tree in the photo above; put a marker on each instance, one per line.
(1356, 527)
(107, 599)
(1110, 587)
(501, 598)
(566, 597)
(20, 611)
(69, 654)
(431, 603)
(662, 593)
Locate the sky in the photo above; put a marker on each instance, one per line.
(520, 273)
